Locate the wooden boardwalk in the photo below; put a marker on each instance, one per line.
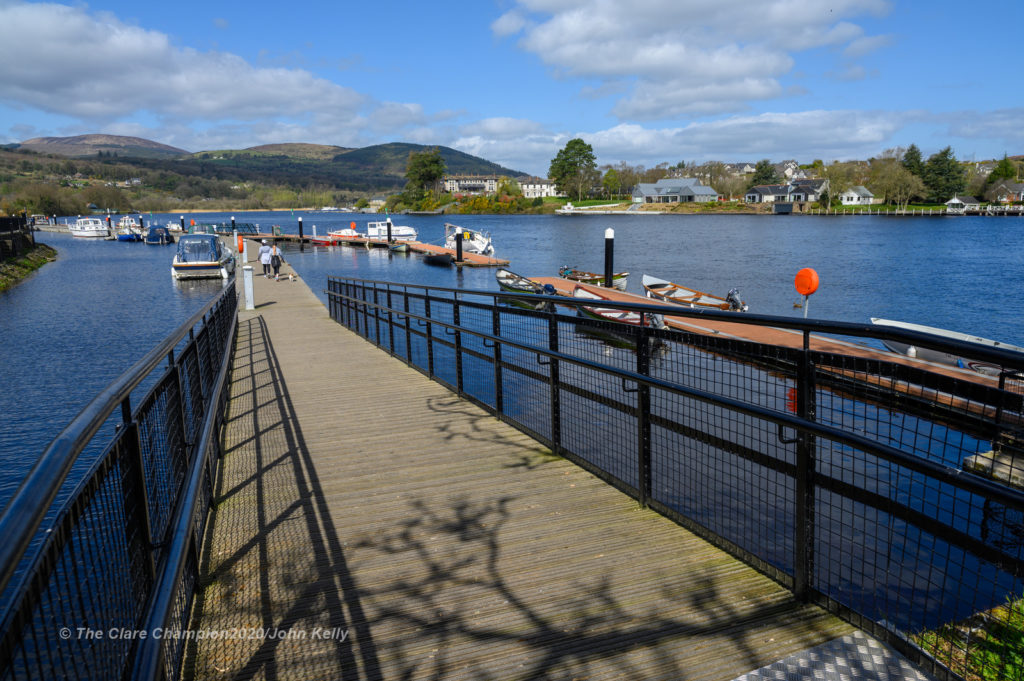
(368, 524)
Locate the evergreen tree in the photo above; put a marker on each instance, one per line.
(1004, 170)
(912, 160)
(944, 176)
(764, 173)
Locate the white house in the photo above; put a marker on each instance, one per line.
(534, 187)
(674, 190)
(769, 193)
(856, 196)
(959, 205)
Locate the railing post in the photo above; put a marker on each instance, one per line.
(643, 406)
(408, 325)
(554, 383)
(366, 310)
(376, 319)
(133, 490)
(456, 320)
(803, 560)
(499, 396)
(391, 323)
(430, 333)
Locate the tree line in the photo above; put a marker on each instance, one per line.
(899, 175)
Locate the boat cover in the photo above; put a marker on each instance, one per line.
(199, 248)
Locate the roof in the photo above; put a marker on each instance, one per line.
(771, 189)
(812, 184)
(964, 200)
(859, 190)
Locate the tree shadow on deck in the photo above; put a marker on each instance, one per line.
(275, 596)
(492, 582)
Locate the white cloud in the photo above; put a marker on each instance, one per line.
(127, 69)
(723, 53)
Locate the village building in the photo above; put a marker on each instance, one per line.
(857, 195)
(674, 190)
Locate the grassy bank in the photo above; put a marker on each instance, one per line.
(13, 270)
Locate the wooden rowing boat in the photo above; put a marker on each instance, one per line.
(661, 289)
(613, 314)
(573, 274)
(517, 283)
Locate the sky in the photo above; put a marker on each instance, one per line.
(642, 81)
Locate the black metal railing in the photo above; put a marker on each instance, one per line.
(93, 570)
(15, 236)
(838, 469)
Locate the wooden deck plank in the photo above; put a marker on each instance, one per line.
(357, 495)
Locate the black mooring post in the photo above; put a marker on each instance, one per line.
(609, 255)
(389, 230)
(182, 223)
(232, 224)
(302, 243)
(142, 222)
(108, 223)
(458, 245)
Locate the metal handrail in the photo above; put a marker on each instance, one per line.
(1010, 496)
(995, 355)
(27, 508)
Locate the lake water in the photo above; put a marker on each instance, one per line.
(77, 323)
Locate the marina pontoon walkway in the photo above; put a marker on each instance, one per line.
(369, 524)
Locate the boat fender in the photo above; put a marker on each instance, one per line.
(911, 351)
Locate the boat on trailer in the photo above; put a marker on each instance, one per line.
(580, 276)
(940, 357)
(662, 289)
(612, 314)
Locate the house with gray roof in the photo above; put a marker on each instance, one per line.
(674, 190)
(1005, 191)
(857, 195)
(769, 193)
(809, 189)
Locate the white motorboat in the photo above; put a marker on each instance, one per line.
(202, 256)
(473, 241)
(89, 228)
(379, 230)
(930, 355)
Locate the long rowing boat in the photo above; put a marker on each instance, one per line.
(661, 289)
(614, 314)
(573, 274)
(899, 348)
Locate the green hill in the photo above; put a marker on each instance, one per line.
(85, 146)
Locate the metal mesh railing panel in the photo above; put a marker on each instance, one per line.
(750, 444)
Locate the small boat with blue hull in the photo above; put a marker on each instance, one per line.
(159, 236)
(202, 256)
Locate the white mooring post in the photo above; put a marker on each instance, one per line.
(247, 286)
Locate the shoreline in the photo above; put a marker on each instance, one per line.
(14, 270)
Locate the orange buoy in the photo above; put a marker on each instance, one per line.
(806, 281)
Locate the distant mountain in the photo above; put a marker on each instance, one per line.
(83, 146)
(374, 168)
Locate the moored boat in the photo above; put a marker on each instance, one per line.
(202, 256)
(902, 348)
(129, 228)
(89, 228)
(399, 247)
(439, 259)
(661, 289)
(573, 274)
(613, 314)
(517, 283)
(473, 241)
(159, 236)
(379, 230)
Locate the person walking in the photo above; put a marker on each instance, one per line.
(264, 256)
(275, 260)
